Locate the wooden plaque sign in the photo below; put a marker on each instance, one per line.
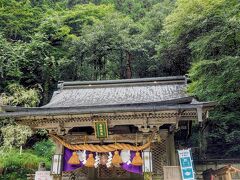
(101, 129)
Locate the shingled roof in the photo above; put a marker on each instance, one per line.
(114, 95)
(119, 92)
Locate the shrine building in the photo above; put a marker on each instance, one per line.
(115, 129)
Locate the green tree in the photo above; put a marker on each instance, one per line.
(18, 19)
(16, 94)
(106, 49)
(10, 54)
(207, 34)
(198, 29)
(219, 81)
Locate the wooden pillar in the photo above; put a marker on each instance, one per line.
(92, 173)
(59, 150)
(171, 151)
(228, 176)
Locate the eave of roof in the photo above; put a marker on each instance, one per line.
(22, 112)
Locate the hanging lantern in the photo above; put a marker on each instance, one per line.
(103, 159)
(147, 160)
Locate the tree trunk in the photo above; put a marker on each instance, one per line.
(129, 68)
(122, 68)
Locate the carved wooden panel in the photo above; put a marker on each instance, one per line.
(141, 119)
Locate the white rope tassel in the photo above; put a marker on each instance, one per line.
(129, 162)
(97, 160)
(84, 157)
(109, 161)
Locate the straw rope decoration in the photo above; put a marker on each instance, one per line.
(137, 159)
(103, 148)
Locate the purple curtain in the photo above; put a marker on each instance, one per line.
(70, 167)
(66, 166)
(132, 168)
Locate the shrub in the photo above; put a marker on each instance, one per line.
(45, 149)
(17, 166)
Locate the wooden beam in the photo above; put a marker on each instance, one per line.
(120, 138)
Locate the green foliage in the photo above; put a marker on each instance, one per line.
(18, 19)
(86, 14)
(226, 73)
(15, 135)
(86, 41)
(42, 42)
(16, 173)
(207, 33)
(10, 54)
(18, 95)
(95, 53)
(219, 81)
(196, 30)
(26, 159)
(188, 14)
(133, 8)
(44, 149)
(17, 166)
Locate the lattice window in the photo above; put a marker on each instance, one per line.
(104, 172)
(119, 172)
(79, 174)
(113, 172)
(159, 154)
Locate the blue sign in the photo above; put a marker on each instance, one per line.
(186, 164)
(188, 173)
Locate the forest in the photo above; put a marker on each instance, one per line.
(46, 41)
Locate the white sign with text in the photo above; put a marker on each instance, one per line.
(43, 175)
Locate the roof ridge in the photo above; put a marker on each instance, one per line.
(169, 79)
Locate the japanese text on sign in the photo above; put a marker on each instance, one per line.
(101, 129)
(186, 164)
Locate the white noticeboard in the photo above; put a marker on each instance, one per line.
(186, 164)
(43, 175)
